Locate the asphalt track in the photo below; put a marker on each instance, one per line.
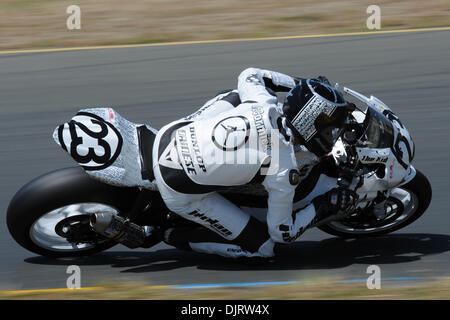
(409, 71)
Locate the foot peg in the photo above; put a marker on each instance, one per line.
(123, 231)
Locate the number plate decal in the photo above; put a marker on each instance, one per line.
(91, 141)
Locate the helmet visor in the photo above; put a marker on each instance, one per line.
(330, 127)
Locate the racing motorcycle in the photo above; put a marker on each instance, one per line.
(83, 210)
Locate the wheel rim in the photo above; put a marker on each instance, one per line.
(46, 231)
(410, 203)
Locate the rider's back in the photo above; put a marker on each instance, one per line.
(230, 148)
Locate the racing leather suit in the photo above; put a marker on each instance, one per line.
(238, 137)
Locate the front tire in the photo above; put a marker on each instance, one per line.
(35, 213)
(419, 189)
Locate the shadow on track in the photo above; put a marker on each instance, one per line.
(330, 253)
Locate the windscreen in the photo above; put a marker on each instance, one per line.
(379, 132)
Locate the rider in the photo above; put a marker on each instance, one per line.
(243, 136)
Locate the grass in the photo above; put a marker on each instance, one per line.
(303, 18)
(42, 23)
(324, 289)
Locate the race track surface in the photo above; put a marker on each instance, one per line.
(155, 85)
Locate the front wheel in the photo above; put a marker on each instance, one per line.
(50, 215)
(410, 200)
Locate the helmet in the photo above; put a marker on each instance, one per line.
(317, 113)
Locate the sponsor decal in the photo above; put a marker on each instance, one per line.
(374, 159)
(288, 238)
(214, 223)
(263, 136)
(304, 120)
(169, 157)
(190, 152)
(91, 141)
(185, 151)
(198, 155)
(231, 133)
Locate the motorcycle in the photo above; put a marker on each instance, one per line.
(71, 211)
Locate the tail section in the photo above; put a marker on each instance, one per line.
(107, 146)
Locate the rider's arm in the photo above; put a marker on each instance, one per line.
(258, 85)
(285, 226)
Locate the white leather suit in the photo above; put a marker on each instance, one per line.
(236, 138)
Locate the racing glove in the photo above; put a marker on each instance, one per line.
(334, 201)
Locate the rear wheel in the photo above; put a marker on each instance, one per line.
(408, 203)
(50, 215)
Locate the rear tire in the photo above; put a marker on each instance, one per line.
(419, 186)
(59, 189)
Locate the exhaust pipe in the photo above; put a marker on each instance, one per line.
(118, 229)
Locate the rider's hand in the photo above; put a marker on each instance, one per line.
(334, 201)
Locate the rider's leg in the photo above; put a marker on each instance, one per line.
(252, 242)
(226, 229)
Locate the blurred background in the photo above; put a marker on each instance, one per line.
(42, 23)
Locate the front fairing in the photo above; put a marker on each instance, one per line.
(378, 131)
(409, 176)
(385, 141)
